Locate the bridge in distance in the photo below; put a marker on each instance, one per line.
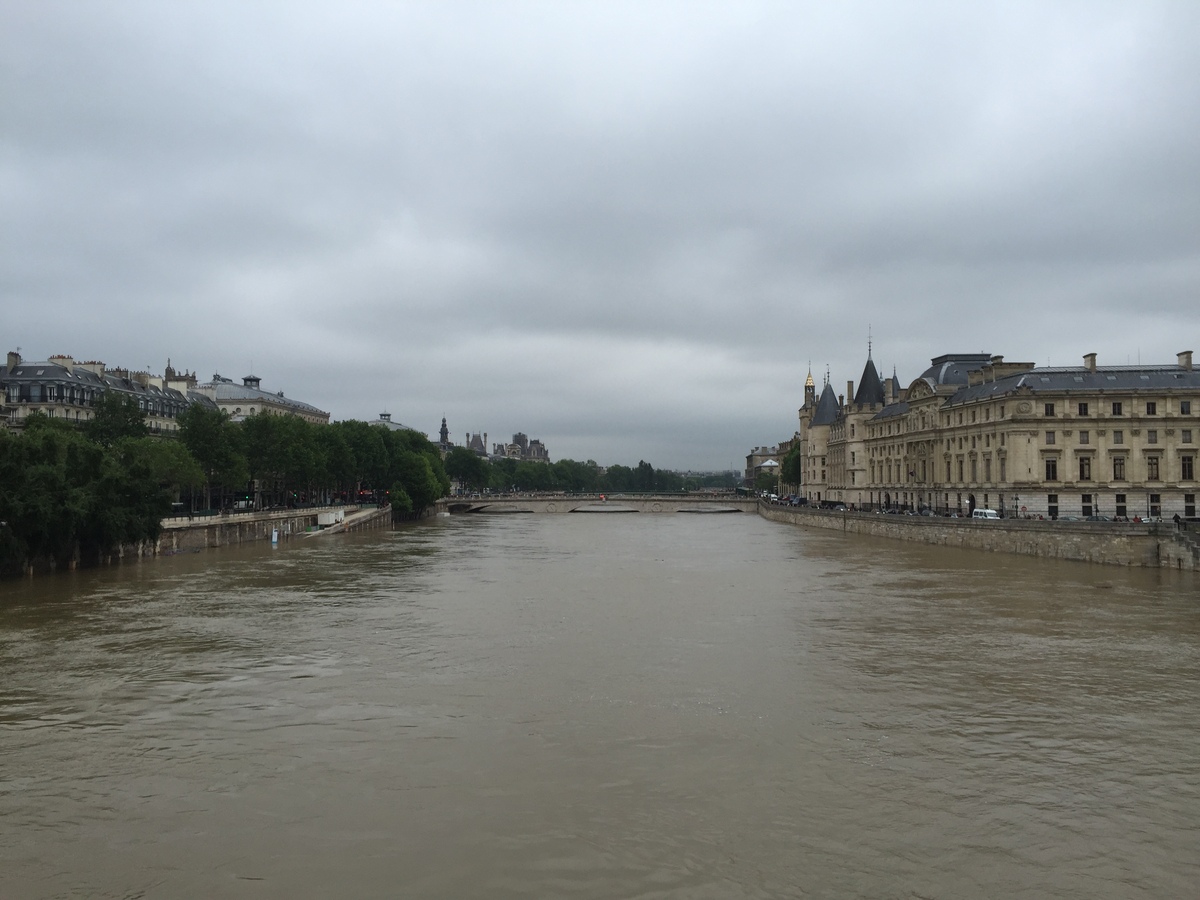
(600, 503)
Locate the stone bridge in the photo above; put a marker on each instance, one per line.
(600, 503)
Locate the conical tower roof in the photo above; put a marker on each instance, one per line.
(870, 388)
(827, 407)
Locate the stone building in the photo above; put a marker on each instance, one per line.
(249, 399)
(63, 388)
(522, 448)
(976, 431)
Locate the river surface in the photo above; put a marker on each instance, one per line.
(600, 706)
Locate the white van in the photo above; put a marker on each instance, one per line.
(985, 514)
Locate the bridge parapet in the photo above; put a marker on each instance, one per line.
(597, 503)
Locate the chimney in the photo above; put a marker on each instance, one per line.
(1089, 361)
(1185, 360)
(14, 360)
(850, 390)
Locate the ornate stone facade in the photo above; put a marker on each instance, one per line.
(974, 431)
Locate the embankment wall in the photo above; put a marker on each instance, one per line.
(223, 530)
(1110, 543)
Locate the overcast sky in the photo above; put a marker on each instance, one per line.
(624, 229)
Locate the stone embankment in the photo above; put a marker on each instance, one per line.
(1152, 545)
(182, 534)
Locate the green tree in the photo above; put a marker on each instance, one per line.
(467, 468)
(766, 481)
(115, 416)
(792, 467)
(213, 441)
(416, 478)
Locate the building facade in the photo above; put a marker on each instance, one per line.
(974, 431)
(63, 388)
(247, 399)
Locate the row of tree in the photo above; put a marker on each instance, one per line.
(72, 493)
(474, 473)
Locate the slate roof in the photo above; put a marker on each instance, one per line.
(952, 368)
(225, 389)
(827, 407)
(870, 388)
(1112, 379)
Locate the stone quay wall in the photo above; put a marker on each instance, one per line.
(1153, 545)
(236, 528)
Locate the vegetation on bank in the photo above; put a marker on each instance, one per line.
(78, 494)
(477, 474)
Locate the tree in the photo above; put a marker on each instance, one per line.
(766, 481)
(467, 468)
(213, 442)
(415, 477)
(116, 416)
(792, 467)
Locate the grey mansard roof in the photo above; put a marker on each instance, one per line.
(224, 389)
(953, 368)
(1110, 379)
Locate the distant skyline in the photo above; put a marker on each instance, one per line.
(624, 229)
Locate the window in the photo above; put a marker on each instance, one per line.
(1156, 504)
(1189, 505)
(1122, 510)
(1084, 437)
(974, 470)
(1116, 407)
(1151, 435)
(1002, 410)
(1049, 437)
(1186, 435)
(1049, 409)
(1152, 468)
(1187, 468)
(1003, 470)
(987, 469)
(1051, 470)
(1151, 408)
(1052, 505)
(960, 469)
(1085, 468)
(947, 470)
(1118, 468)
(1185, 407)
(1087, 504)
(1083, 409)
(1118, 437)
(972, 415)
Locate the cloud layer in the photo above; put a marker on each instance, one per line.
(625, 229)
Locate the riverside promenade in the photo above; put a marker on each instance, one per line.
(1142, 544)
(182, 534)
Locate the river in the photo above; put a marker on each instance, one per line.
(600, 706)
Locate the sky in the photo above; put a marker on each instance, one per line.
(625, 229)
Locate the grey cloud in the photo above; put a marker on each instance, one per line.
(628, 225)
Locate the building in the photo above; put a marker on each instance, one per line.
(63, 388)
(385, 420)
(522, 448)
(249, 399)
(763, 459)
(974, 431)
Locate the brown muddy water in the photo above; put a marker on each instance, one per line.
(599, 706)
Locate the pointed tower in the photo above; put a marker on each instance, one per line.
(810, 389)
